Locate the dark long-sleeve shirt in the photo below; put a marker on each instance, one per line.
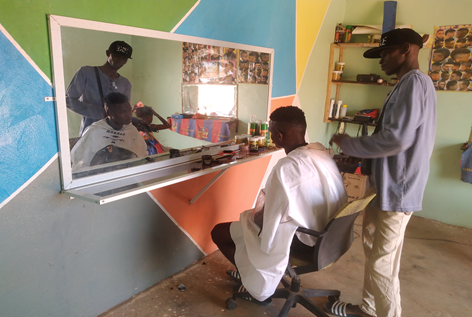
(83, 96)
(401, 150)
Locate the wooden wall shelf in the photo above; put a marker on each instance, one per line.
(340, 82)
(370, 124)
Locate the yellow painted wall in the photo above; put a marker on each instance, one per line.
(310, 16)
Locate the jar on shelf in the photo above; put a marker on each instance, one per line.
(337, 75)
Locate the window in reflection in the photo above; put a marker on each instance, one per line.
(217, 102)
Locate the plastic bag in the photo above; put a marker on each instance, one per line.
(466, 165)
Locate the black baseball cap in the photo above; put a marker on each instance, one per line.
(121, 48)
(394, 38)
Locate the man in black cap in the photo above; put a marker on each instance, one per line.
(400, 149)
(89, 85)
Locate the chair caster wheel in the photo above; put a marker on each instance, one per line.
(230, 304)
(333, 299)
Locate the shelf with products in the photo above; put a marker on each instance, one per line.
(340, 47)
(340, 82)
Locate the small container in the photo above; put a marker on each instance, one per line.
(347, 35)
(258, 127)
(264, 128)
(252, 128)
(337, 75)
(268, 139)
(380, 80)
(340, 66)
(244, 151)
(393, 80)
(261, 142)
(253, 143)
(331, 108)
(337, 35)
(338, 109)
(174, 153)
(245, 138)
(240, 138)
(207, 159)
(265, 125)
(342, 112)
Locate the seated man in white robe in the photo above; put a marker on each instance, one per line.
(304, 189)
(111, 139)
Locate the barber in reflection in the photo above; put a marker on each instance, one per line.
(111, 139)
(90, 84)
(146, 114)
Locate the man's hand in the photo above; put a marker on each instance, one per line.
(338, 138)
(259, 217)
(259, 208)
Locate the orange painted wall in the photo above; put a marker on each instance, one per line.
(234, 192)
(281, 102)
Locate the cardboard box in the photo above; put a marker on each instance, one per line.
(356, 185)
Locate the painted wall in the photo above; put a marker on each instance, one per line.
(68, 257)
(445, 194)
(62, 257)
(157, 76)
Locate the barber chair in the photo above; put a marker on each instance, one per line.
(334, 241)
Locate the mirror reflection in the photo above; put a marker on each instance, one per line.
(148, 106)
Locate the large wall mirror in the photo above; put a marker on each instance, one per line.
(159, 80)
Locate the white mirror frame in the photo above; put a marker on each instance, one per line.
(55, 24)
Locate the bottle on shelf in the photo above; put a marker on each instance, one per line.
(347, 35)
(342, 112)
(338, 109)
(331, 108)
(342, 32)
(358, 169)
(339, 34)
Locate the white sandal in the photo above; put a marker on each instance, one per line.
(338, 308)
(234, 274)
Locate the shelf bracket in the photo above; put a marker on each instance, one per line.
(204, 189)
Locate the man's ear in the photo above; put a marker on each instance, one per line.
(406, 47)
(106, 110)
(281, 137)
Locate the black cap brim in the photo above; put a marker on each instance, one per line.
(374, 52)
(121, 54)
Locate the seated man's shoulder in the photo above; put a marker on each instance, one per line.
(302, 163)
(307, 153)
(97, 125)
(294, 166)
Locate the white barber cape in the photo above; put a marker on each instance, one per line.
(304, 189)
(127, 143)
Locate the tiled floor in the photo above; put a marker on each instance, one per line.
(436, 280)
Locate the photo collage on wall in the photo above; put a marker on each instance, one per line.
(206, 64)
(450, 61)
(253, 67)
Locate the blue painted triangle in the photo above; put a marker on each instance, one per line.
(28, 126)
